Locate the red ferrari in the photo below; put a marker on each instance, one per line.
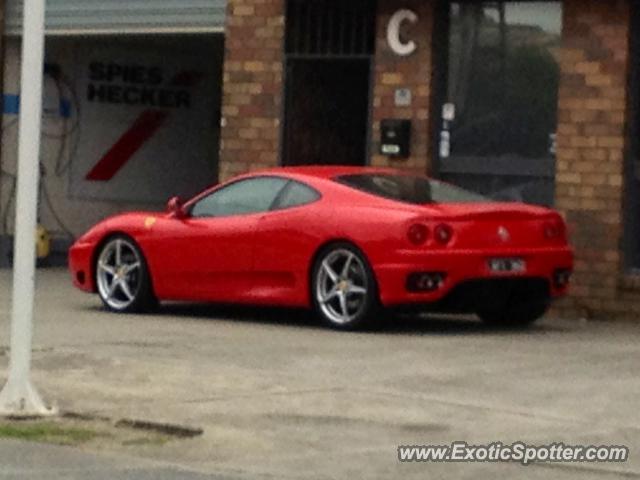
(345, 241)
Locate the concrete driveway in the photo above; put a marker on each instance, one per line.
(279, 397)
(31, 461)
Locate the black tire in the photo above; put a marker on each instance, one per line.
(363, 310)
(138, 279)
(515, 315)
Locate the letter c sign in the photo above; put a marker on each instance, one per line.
(393, 32)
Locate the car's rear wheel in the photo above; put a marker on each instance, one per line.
(344, 290)
(122, 276)
(515, 314)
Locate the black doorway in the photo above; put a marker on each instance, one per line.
(632, 164)
(329, 52)
(327, 112)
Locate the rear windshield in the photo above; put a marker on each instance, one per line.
(410, 188)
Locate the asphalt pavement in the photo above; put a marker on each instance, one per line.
(33, 461)
(281, 397)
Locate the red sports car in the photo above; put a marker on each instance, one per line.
(345, 241)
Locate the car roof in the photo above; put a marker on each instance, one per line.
(326, 172)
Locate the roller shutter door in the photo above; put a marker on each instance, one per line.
(110, 17)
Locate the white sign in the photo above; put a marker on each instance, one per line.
(403, 97)
(393, 32)
(445, 144)
(148, 124)
(449, 112)
(390, 149)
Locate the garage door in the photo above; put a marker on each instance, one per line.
(91, 17)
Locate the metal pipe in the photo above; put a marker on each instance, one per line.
(2, 55)
(18, 396)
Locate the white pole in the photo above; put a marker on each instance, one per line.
(19, 397)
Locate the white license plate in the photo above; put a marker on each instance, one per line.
(507, 265)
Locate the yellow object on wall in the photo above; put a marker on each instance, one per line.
(43, 242)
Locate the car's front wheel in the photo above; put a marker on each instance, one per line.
(122, 276)
(344, 288)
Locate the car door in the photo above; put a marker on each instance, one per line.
(209, 253)
(286, 237)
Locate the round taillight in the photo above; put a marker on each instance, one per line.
(418, 234)
(443, 233)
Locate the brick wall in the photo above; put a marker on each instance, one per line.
(590, 160)
(252, 91)
(591, 131)
(413, 72)
(253, 75)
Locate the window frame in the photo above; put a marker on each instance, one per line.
(448, 168)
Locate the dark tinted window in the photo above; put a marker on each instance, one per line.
(253, 195)
(296, 194)
(410, 189)
(498, 137)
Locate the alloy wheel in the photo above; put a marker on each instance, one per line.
(342, 286)
(118, 274)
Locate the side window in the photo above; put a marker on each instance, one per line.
(296, 194)
(253, 195)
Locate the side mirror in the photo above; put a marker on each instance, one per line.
(175, 208)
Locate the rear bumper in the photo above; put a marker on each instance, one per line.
(80, 266)
(463, 266)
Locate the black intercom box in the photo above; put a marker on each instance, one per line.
(395, 138)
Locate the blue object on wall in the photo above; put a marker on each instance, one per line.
(11, 105)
